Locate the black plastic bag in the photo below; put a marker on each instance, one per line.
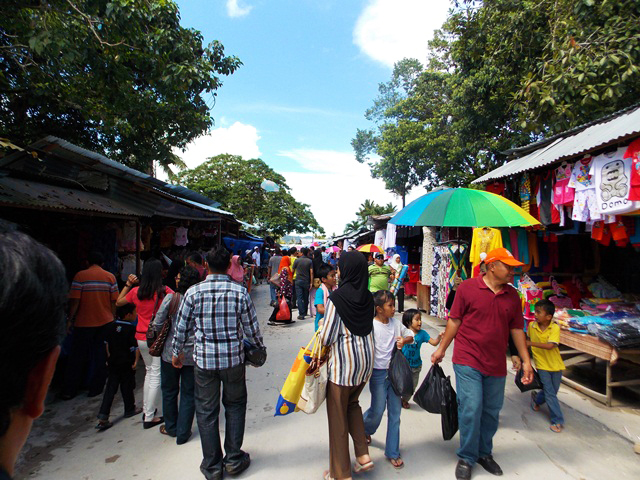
(449, 410)
(536, 384)
(429, 394)
(400, 374)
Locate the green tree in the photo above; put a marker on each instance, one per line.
(368, 207)
(235, 183)
(118, 76)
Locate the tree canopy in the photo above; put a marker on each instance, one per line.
(368, 207)
(501, 74)
(120, 76)
(235, 183)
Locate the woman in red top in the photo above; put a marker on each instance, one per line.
(147, 298)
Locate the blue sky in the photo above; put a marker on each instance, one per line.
(311, 69)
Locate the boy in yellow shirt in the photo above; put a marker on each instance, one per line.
(544, 337)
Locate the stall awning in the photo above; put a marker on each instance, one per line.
(573, 143)
(36, 195)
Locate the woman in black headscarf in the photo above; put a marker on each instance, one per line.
(348, 330)
(317, 263)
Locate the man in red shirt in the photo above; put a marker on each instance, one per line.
(92, 305)
(485, 312)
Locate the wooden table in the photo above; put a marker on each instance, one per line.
(587, 348)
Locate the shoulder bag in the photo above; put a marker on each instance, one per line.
(151, 333)
(155, 350)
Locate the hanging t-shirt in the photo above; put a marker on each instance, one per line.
(181, 236)
(548, 212)
(562, 193)
(580, 178)
(611, 174)
(633, 152)
(495, 187)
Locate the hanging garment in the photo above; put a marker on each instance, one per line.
(562, 193)
(181, 237)
(128, 237)
(379, 239)
(428, 242)
(633, 152)
(483, 240)
(611, 173)
(525, 191)
(437, 260)
(390, 237)
(548, 212)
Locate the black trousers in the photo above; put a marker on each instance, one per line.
(123, 377)
(400, 298)
(87, 359)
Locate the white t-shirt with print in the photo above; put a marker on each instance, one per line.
(384, 335)
(611, 175)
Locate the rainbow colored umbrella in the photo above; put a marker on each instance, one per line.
(369, 248)
(463, 207)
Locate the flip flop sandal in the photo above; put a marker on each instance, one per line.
(362, 467)
(326, 475)
(556, 427)
(396, 465)
(163, 430)
(102, 426)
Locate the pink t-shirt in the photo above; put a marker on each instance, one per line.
(145, 310)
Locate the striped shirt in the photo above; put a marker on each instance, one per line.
(221, 314)
(351, 360)
(97, 290)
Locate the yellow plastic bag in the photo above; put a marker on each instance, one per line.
(290, 393)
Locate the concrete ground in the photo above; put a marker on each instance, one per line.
(596, 444)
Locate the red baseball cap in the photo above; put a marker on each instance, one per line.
(503, 255)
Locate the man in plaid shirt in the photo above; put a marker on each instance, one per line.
(221, 313)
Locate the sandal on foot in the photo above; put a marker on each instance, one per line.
(163, 430)
(396, 462)
(368, 438)
(534, 406)
(556, 427)
(104, 425)
(326, 475)
(362, 467)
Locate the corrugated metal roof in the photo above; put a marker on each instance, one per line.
(591, 138)
(29, 194)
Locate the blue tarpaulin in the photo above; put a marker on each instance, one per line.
(234, 244)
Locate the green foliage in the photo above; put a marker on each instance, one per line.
(235, 183)
(119, 76)
(502, 73)
(368, 207)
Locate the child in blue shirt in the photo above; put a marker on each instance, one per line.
(412, 319)
(327, 276)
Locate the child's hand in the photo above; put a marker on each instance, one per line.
(135, 364)
(528, 343)
(440, 337)
(399, 342)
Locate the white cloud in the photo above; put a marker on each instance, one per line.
(390, 30)
(235, 10)
(237, 139)
(335, 185)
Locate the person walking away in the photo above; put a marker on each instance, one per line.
(325, 254)
(274, 265)
(286, 290)
(316, 263)
(348, 330)
(257, 262)
(379, 274)
(412, 319)
(177, 382)
(122, 360)
(389, 334)
(32, 314)
(303, 280)
(293, 256)
(544, 338)
(396, 268)
(264, 262)
(327, 276)
(92, 300)
(147, 298)
(485, 312)
(221, 313)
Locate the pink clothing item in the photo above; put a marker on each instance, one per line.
(562, 193)
(235, 271)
